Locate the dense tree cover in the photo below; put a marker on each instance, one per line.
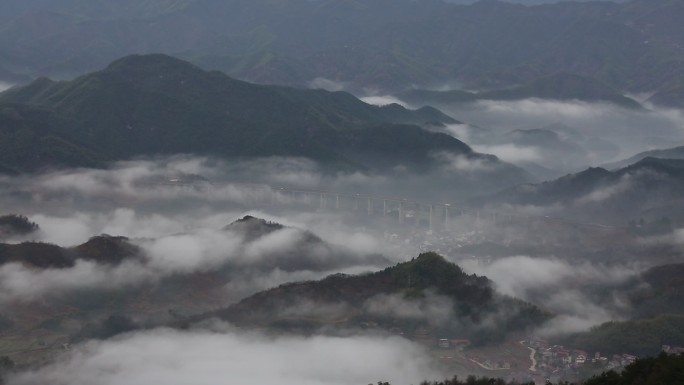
(253, 228)
(156, 104)
(472, 380)
(36, 254)
(102, 249)
(662, 295)
(6, 366)
(661, 370)
(428, 282)
(13, 224)
(640, 337)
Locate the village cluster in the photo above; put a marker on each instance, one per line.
(547, 362)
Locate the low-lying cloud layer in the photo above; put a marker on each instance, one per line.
(152, 198)
(462, 163)
(512, 153)
(582, 295)
(327, 84)
(383, 100)
(623, 126)
(206, 357)
(248, 265)
(432, 308)
(4, 86)
(607, 132)
(175, 210)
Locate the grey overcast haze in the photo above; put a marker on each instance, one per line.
(335, 192)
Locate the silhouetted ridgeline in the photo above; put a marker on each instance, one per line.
(103, 249)
(156, 104)
(382, 44)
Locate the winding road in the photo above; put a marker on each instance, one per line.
(533, 352)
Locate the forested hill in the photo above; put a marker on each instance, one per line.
(426, 296)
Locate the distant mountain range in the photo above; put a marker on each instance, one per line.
(385, 45)
(649, 189)
(547, 151)
(553, 153)
(555, 87)
(668, 153)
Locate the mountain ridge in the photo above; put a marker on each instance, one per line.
(380, 44)
(142, 105)
(647, 189)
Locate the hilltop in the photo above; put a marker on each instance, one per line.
(668, 153)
